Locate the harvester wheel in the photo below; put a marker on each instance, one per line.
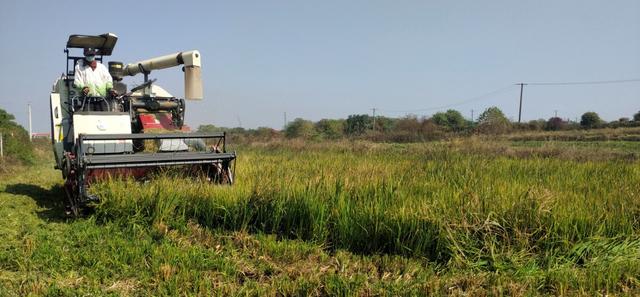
(71, 186)
(71, 189)
(66, 167)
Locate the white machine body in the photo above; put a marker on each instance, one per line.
(103, 123)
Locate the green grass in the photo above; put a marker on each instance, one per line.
(624, 134)
(459, 217)
(44, 253)
(622, 146)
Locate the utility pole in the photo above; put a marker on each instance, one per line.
(285, 121)
(1, 151)
(520, 108)
(30, 130)
(555, 113)
(472, 115)
(374, 119)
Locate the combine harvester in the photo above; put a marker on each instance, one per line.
(136, 133)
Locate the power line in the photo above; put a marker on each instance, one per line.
(500, 90)
(472, 99)
(567, 84)
(600, 82)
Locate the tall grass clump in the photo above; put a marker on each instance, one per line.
(442, 202)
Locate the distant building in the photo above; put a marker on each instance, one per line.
(41, 135)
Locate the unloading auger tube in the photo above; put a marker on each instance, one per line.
(98, 138)
(192, 72)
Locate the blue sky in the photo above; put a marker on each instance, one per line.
(330, 59)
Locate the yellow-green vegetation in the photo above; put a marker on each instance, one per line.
(585, 135)
(350, 218)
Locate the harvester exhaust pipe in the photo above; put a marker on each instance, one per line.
(192, 72)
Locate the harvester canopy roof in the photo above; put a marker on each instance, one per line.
(103, 43)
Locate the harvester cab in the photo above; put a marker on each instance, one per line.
(131, 133)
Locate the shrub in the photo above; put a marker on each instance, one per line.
(451, 119)
(300, 128)
(357, 124)
(537, 125)
(493, 120)
(555, 124)
(330, 129)
(590, 120)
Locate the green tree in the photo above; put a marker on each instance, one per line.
(493, 120)
(299, 128)
(492, 114)
(636, 117)
(358, 124)
(330, 129)
(590, 120)
(451, 119)
(440, 118)
(6, 118)
(16, 143)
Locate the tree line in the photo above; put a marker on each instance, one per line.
(413, 128)
(15, 139)
(404, 129)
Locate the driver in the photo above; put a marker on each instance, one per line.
(91, 77)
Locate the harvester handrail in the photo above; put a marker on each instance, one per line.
(84, 137)
(142, 160)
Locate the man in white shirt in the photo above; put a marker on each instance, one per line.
(91, 77)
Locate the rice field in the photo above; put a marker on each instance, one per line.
(460, 217)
